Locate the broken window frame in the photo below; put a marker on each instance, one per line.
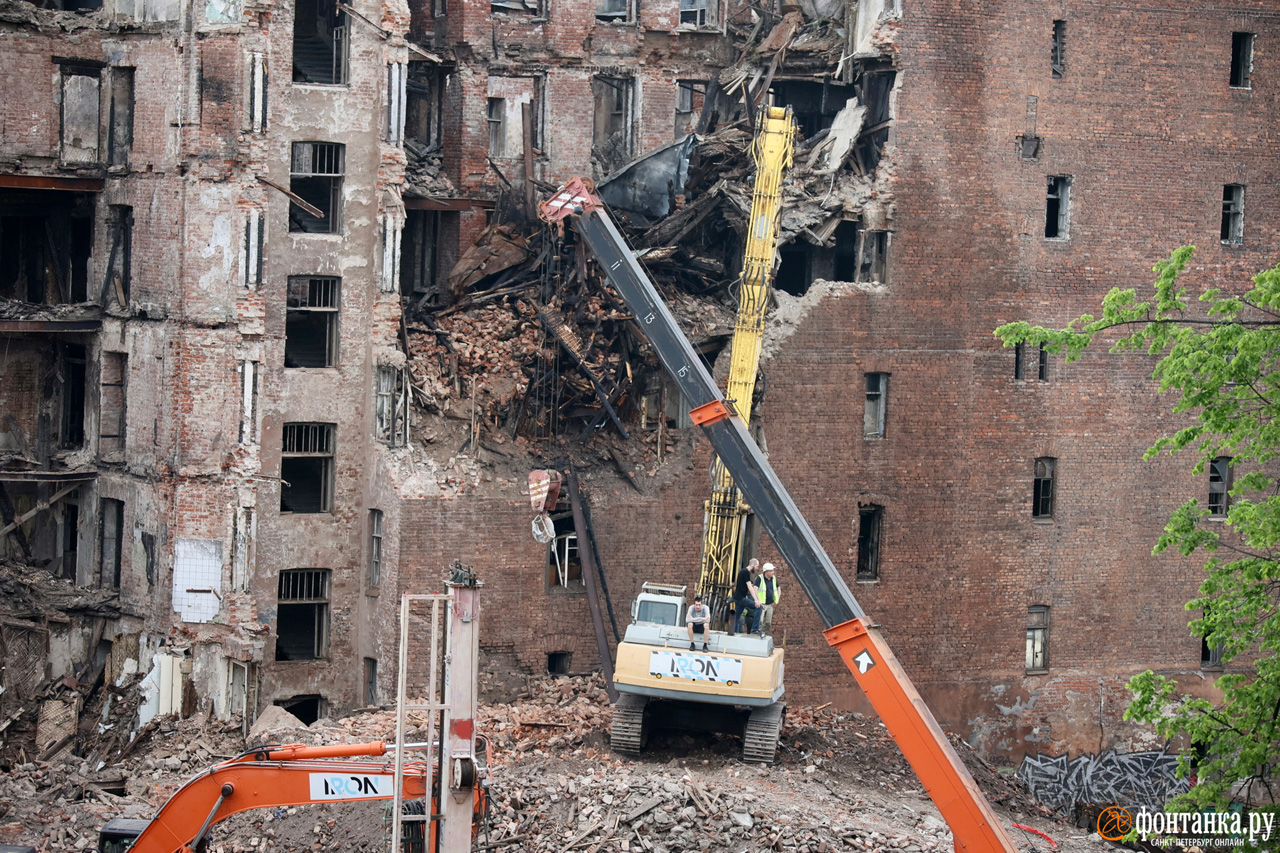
(870, 534)
(1220, 482)
(686, 92)
(1232, 230)
(615, 11)
(621, 107)
(424, 103)
(391, 406)
(337, 40)
(564, 556)
(296, 591)
(496, 116)
(1057, 216)
(120, 261)
(1241, 60)
(71, 70)
(371, 682)
(873, 411)
(110, 543)
(1058, 56)
(1037, 656)
(112, 404)
(699, 16)
(313, 305)
(1043, 488)
(312, 444)
(1029, 146)
(374, 574)
(316, 173)
(120, 79)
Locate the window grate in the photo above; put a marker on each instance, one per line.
(314, 293)
(304, 585)
(308, 439)
(317, 159)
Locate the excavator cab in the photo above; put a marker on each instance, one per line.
(659, 604)
(119, 833)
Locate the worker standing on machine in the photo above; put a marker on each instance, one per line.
(696, 620)
(744, 595)
(767, 595)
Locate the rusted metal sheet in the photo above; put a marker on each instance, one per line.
(49, 182)
(14, 327)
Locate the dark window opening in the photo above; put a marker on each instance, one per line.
(149, 549)
(1042, 367)
(308, 708)
(306, 468)
(73, 376)
(70, 539)
(370, 681)
(1241, 60)
(1019, 361)
(1029, 147)
(845, 256)
(391, 406)
(873, 249)
(1037, 638)
(1210, 656)
(315, 176)
(874, 89)
(424, 102)
(564, 562)
(1233, 213)
(1220, 486)
(874, 409)
(611, 129)
(110, 543)
(302, 615)
(794, 270)
(71, 5)
(870, 522)
(111, 406)
(320, 33)
(375, 547)
(558, 662)
(518, 7)
(120, 116)
(1058, 62)
(1042, 489)
(311, 322)
(1057, 207)
(418, 257)
(814, 105)
(46, 240)
(120, 260)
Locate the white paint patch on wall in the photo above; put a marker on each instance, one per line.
(197, 579)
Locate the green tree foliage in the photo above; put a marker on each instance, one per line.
(1220, 353)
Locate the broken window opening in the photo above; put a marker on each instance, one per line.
(1019, 361)
(497, 117)
(870, 523)
(814, 105)
(1037, 638)
(1029, 147)
(111, 406)
(564, 563)
(1057, 207)
(307, 708)
(311, 321)
(613, 121)
(255, 237)
(391, 406)
(320, 35)
(558, 662)
(1233, 213)
(81, 112)
(794, 273)
(120, 116)
(1219, 486)
(689, 99)
(1211, 656)
(110, 543)
(249, 377)
(873, 260)
(69, 558)
(306, 468)
(257, 93)
(46, 243)
(1241, 60)
(699, 14)
(315, 175)
(1042, 488)
(418, 264)
(302, 615)
(73, 374)
(120, 260)
(375, 548)
(613, 10)
(397, 81)
(371, 681)
(519, 7)
(243, 535)
(875, 89)
(1058, 61)
(874, 409)
(424, 102)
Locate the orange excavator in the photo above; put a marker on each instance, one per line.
(289, 776)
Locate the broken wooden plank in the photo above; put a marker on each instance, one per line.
(644, 808)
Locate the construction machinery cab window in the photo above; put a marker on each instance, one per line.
(564, 561)
(302, 615)
(306, 468)
(320, 34)
(658, 612)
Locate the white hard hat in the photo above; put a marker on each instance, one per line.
(768, 567)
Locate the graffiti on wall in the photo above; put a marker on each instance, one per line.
(1122, 778)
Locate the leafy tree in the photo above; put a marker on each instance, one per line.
(1221, 354)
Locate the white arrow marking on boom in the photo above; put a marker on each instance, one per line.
(865, 661)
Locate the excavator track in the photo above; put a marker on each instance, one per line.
(760, 741)
(629, 731)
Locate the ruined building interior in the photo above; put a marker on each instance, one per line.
(282, 336)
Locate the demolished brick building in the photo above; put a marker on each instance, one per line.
(282, 338)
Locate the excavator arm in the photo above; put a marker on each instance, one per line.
(277, 776)
(973, 823)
